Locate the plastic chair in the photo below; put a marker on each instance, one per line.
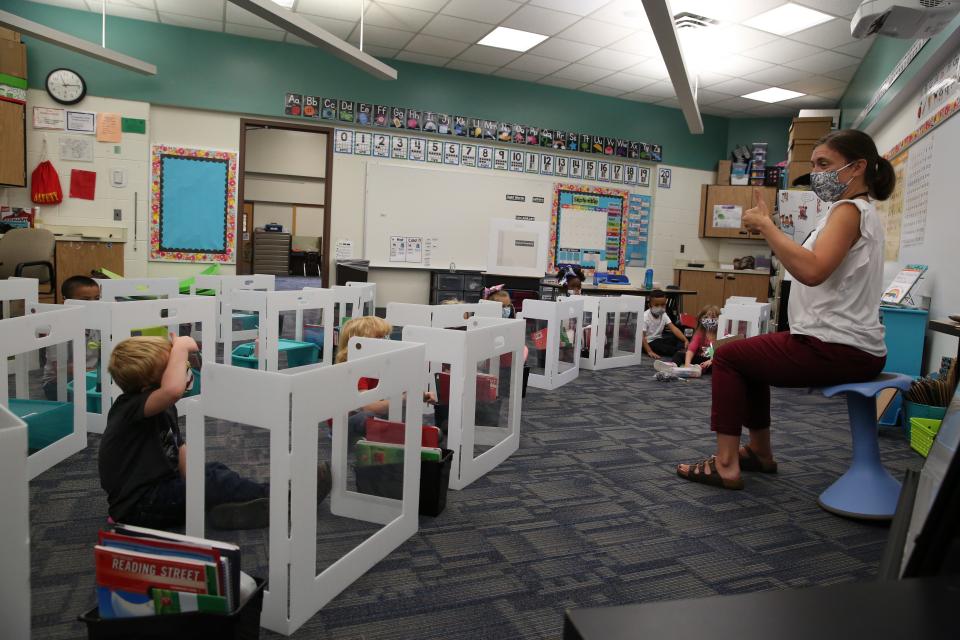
(28, 253)
(866, 490)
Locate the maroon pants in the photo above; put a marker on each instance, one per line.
(743, 372)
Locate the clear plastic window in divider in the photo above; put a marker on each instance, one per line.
(42, 354)
(368, 296)
(220, 288)
(132, 289)
(744, 317)
(622, 344)
(331, 446)
(297, 324)
(553, 337)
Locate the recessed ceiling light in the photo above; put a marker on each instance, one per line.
(513, 39)
(786, 19)
(286, 4)
(773, 94)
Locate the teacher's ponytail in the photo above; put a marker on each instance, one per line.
(856, 145)
(884, 180)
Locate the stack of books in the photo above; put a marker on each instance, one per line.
(145, 572)
(383, 443)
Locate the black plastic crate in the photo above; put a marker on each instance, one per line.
(386, 480)
(448, 282)
(242, 624)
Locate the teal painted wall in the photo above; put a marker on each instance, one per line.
(876, 66)
(773, 131)
(222, 72)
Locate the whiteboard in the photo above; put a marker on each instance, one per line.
(452, 207)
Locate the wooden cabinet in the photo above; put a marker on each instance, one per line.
(712, 195)
(714, 287)
(13, 150)
(80, 257)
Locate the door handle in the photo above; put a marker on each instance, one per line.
(731, 277)
(718, 276)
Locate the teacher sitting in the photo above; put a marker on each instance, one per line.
(835, 333)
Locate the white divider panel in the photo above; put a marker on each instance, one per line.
(484, 339)
(563, 315)
(38, 331)
(27, 291)
(222, 286)
(298, 301)
(243, 301)
(621, 346)
(14, 527)
(441, 316)
(743, 316)
(290, 406)
(111, 289)
(368, 297)
(97, 316)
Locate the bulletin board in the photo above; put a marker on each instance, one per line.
(589, 227)
(193, 205)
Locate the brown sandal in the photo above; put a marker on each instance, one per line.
(752, 462)
(698, 473)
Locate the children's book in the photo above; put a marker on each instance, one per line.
(168, 601)
(380, 430)
(486, 387)
(376, 453)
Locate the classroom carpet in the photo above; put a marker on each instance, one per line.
(588, 512)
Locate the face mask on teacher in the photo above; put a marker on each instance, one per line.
(827, 185)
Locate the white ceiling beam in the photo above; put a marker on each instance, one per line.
(661, 21)
(67, 41)
(303, 28)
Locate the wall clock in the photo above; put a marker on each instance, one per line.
(66, 86)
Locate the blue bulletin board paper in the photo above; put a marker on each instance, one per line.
(194, 204)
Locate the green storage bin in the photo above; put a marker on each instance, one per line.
(47, 421)
(922, 433)
(913, 410)
(94, 397)
(298, 354)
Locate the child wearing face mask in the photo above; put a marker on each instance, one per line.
(571, 279)
(700, 349)
(661, 338)
(497, 293)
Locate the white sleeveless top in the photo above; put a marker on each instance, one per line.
(845, 308)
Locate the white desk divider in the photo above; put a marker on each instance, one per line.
(743, 316)
(222, 287)
(37, 331)
(14, 527)
(441, 316)
(26, 290)
(117, 321)
(368, 297)
(611, 325)
(291, 406)
(111, 289)
(556, 359)
(486, 339)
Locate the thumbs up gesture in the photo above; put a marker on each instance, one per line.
(757, 218)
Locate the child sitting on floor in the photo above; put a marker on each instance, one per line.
(700, 349)
(661, 338)
(497, 293)
(73, 288)
(142, 460)
(571, 280)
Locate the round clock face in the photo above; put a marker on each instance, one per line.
(66, 86)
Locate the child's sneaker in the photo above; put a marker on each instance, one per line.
(664, 366)
(253, 514)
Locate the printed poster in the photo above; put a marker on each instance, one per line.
(589, 169)
(108, 127)
(576, 168)
(362, 143)
(399, 149)
(630, 174)
(46, 118)
(418, 149)
(414, 250)
(643, 179)
(617, 173)
(451, 153)
(500, 159)
(398, 249)
(533, 162)
(516, 160)
(468, 155)
(434, 151)
(546, 165)
(485, 157)
(561, 166)
(343, 141)
(381, 145)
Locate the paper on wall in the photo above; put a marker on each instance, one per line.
(344, 249)
(727, 216)
(398, 249)
(108, 127)
(45, 118)
(414, 246)
(76, 149)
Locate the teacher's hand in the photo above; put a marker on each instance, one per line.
(758, 218)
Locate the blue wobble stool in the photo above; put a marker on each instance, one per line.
(866, 490)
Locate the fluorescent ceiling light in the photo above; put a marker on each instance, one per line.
(286, 4)
(513, 39)
(773, 94)
(786, 19)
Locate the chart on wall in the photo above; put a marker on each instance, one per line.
(589, 227)
(638, 229)
(904, 214)
(193, 205)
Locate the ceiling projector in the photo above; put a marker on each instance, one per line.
(903, 18)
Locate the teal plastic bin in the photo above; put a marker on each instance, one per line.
(47, 421)
(297, 353)
(93, 392)
(244, 321)
(914, 410)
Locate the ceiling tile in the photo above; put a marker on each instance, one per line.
(625, 81)
(846, 73)
(600, 89)
(823, 62)
(200, 23)
(707, 78)
(735, 38)
(816, 84)
(582, 72)
(809, 102)
(782, 50)
(731, 12)
(435, 46)
(422, 58)
(489, 55)
(563, 49)
(77, 5)
(777, 76)
(457, 28)
(539, 20)
(472, 67)
(530, 63)
(426, 5)
(651, 68)
(578, 7)
(595, 32)
(490, 11)
(612, 60)
(658, 90)
(637, 43)
(136, 13)
(517, 74)
(379, 52)
(777, 110)
(673, 103)
(626, 13)
(640, 96)
(737, 104)
(236, 15)
(328, 9)
(712, 110)
(566, 83)
(828, 35)
(381, 37)
(842, 8)
(856, 49)
(339, 28)
(209, 9)
(833, 94)
(396, 17)
(737, 87)
(707, 97)
(249, 32)
(735, 65)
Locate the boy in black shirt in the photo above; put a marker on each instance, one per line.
(142, 460)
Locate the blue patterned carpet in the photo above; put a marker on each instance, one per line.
(588, 512)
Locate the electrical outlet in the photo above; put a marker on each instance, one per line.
(681, 248)
(117, 215)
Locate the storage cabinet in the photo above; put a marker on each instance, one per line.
(714, 287)
(271, 253)
(13, 150)
(713, 195)
(455, 285)
(81, 257)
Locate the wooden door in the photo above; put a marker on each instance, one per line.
(13, 168)
(746, 284)
(245, 259)
(709, 288)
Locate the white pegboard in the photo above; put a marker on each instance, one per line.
(291, 405)
(566, 316)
